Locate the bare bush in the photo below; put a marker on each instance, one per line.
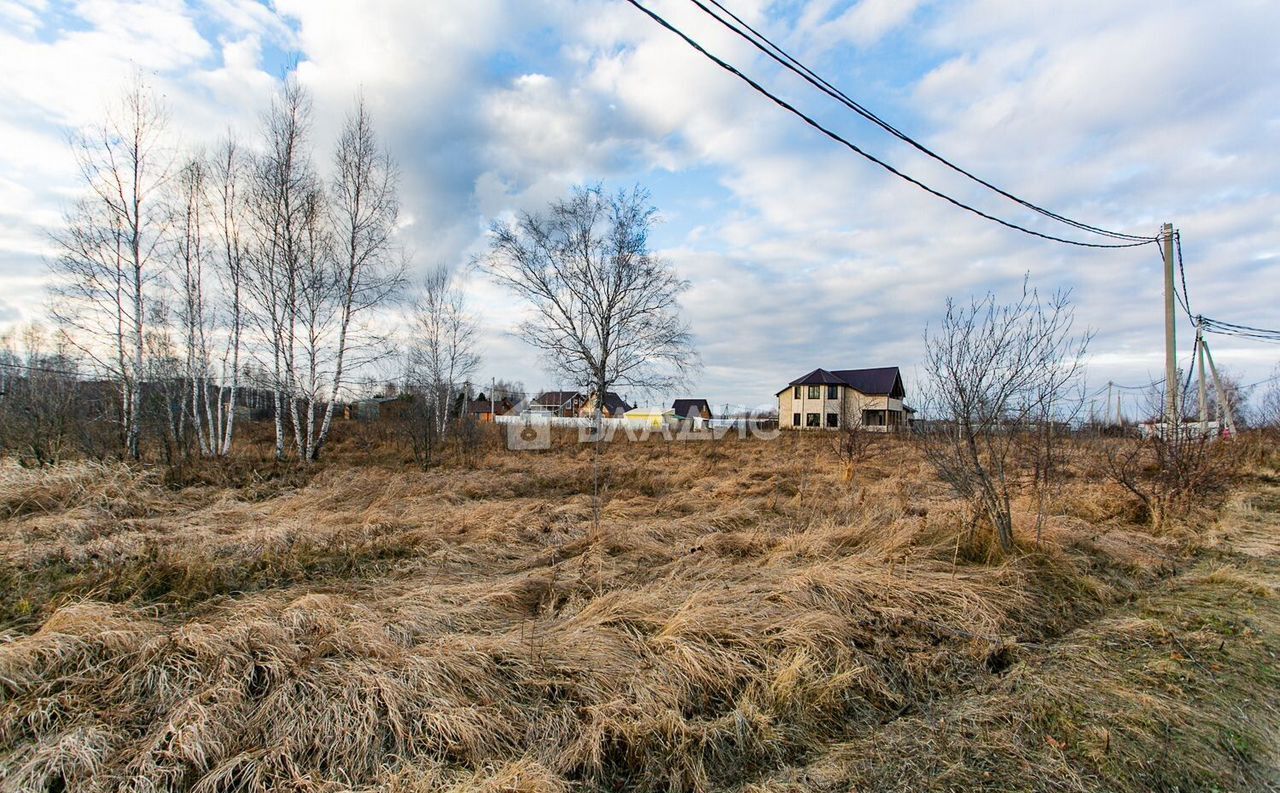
(1268, 412)
(45, 413)
(997, 378)
(1173, 471)
(853, 443)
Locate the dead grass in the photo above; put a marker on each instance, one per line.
(1176, 694)
(375, 627)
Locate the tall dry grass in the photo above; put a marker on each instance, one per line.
(375, 627)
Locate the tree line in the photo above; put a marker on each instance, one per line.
(190, 282)
(186, 273)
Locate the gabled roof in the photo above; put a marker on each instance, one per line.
(690, 407)
(880, 381)
(576, 399)
(819, 377)
(614, 403)
(557, 399)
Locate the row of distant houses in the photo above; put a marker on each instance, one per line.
(823, 399)
(820, 400)
(558, 404)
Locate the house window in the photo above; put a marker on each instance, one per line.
(833, 420)
(833, 392)
(811, 420)
(815, 392)
(795, 419)
(873, 418)
(796, 393)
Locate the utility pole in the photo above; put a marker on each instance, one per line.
(1223, 405)
(1204, 396)
(1108, 403)
(1170, 341)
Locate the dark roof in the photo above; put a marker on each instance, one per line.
(690, 407)
(819, 377)
(557, 399)
(614, 403)
(881, 381)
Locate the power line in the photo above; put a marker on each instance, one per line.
(758, 88)
(1184, 299)
(1218, 326)
(789, 62)
(45, 369)
(1261, 382)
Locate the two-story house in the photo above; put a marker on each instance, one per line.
(822, 399)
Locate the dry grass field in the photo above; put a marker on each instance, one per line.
(744, 619)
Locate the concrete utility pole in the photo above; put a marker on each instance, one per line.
(1170, 341)
(1223, 405)
(1204, 396)
(1108, 403)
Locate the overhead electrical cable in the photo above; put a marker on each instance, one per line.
(762, 42)
(857, 150)
(1240, 331)
(44, 369)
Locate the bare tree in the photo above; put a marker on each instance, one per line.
(997, 378)
(106, 251)
(605, 310)
(511, 390)
(283, 208)
(314, 316)
(227, 177)
(1237, 399)
(190, 261)
(364, 210)
(442, 353)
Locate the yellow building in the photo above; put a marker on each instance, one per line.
(867, 398)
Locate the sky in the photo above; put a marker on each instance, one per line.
(799, 254)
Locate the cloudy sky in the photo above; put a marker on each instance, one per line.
(1122, 114)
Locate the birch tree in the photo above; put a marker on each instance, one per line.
(108, 248)
(364, 208)
(228, 176)
(194, 313)
(442, 353)
(313, 317)
(284, 197)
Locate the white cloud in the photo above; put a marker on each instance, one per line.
(1107, 112)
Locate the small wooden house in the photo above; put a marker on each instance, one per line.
(692, 409)
(483, 409)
